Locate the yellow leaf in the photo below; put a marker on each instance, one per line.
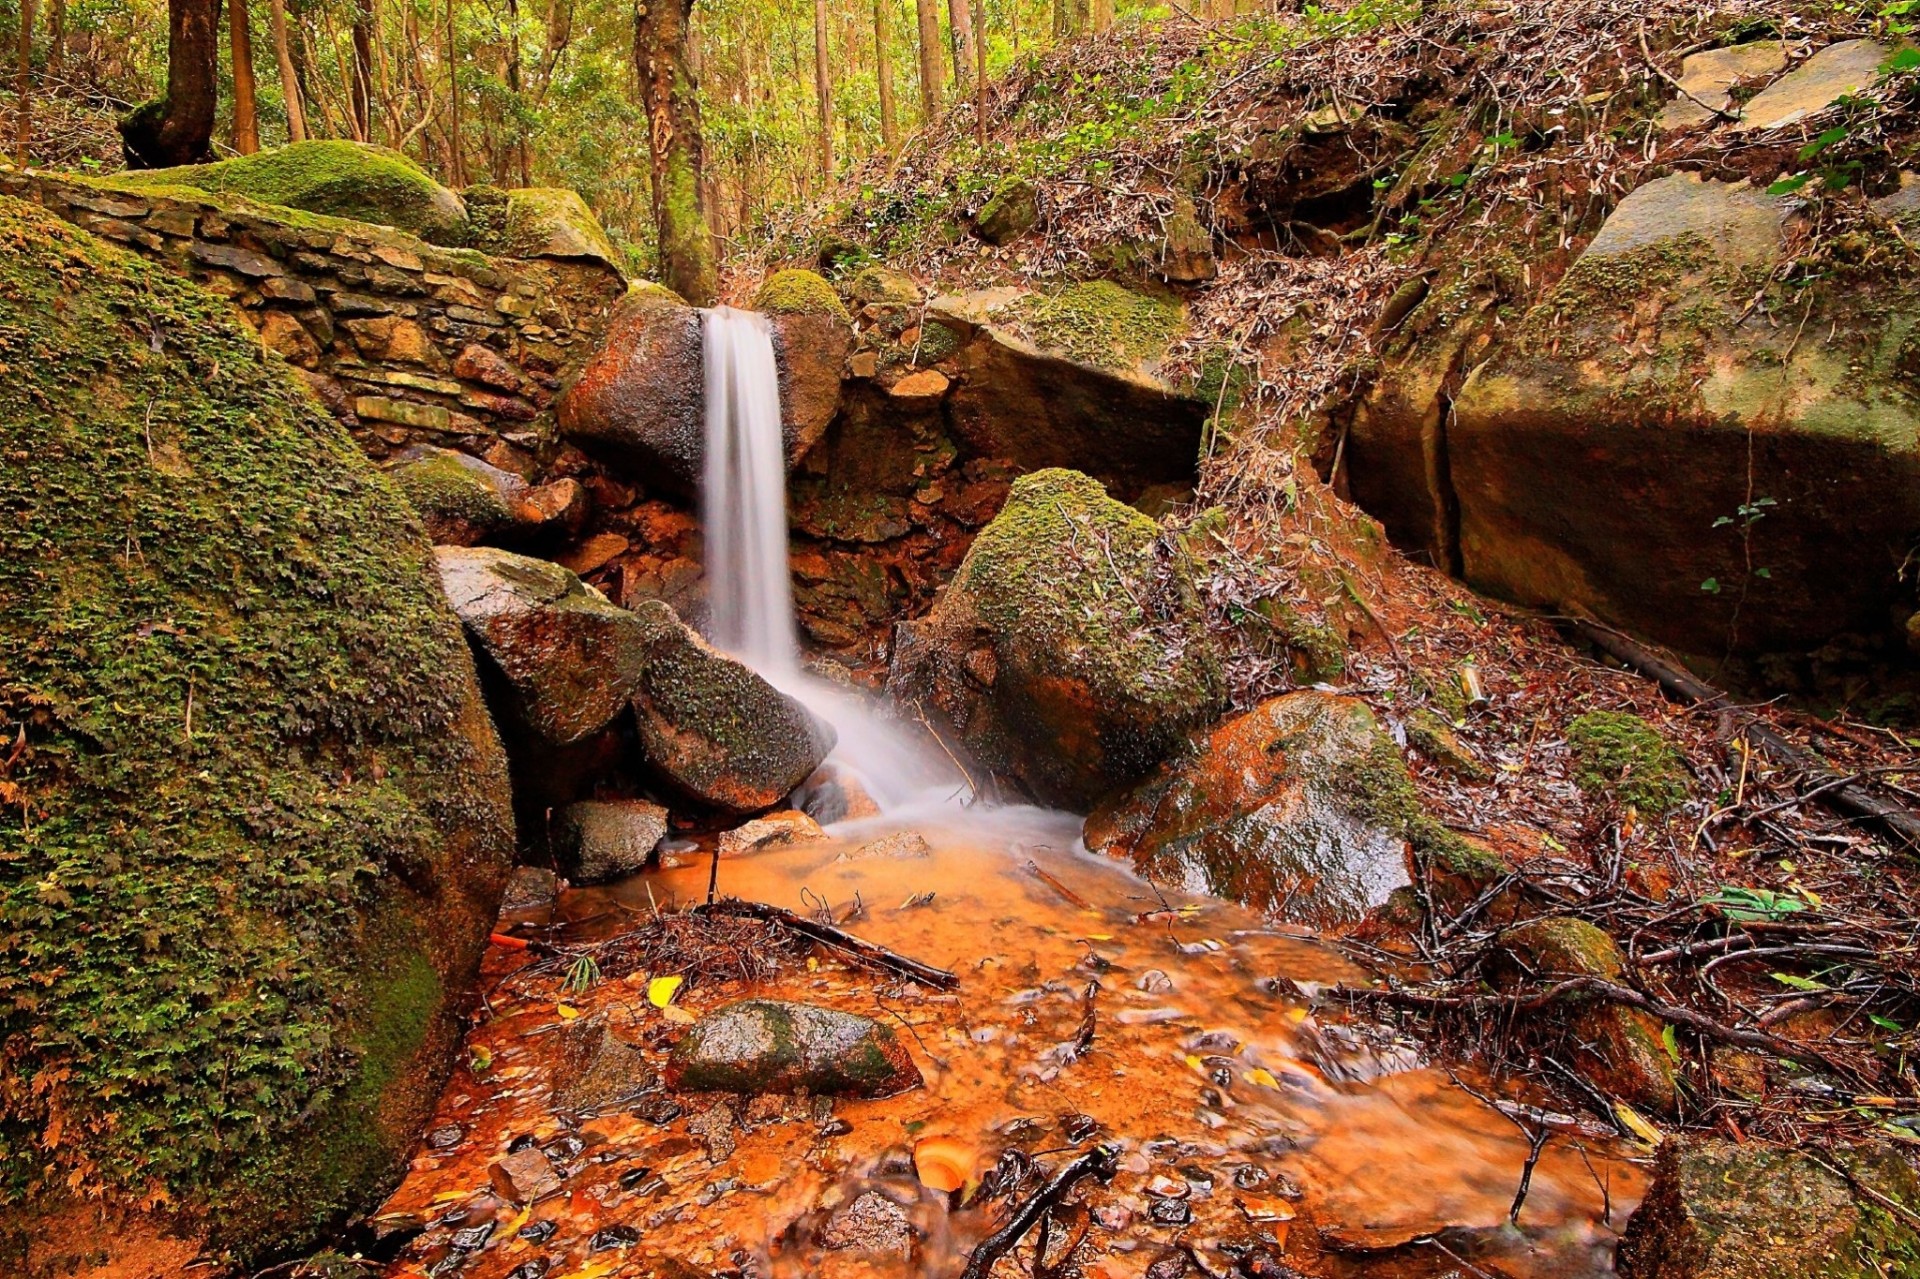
(1263, 1077)
(661, 990)
(1099, 936)
(592, 1270)
(567, 1011)
(1637, 1124)
(1195, 1062)
(813, 965)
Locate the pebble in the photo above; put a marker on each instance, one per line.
(608, 1238)
(445, 1137)
(835, 1128)
(1078, 1128)
(1169, 1188)
(1171, 1266)
(535, 1269)
(1169, 1212)
(1114, 1217)
(472, 1239)
(1155, 982)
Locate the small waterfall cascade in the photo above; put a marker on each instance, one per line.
(744, 523)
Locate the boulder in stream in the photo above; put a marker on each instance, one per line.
(466, 502)
(641, 399)
(1300, 808)
(812, 338)
(599, 840)
(1069, 650)
(773, 1046)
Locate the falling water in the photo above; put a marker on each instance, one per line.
(744, 516)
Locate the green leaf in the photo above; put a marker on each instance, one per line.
(1797, 983)
(1885, 1023)
(1670, 1042)
(1711, 586)
(1763, 572)
(1787, 186)
(1822, 142)
(1906, 59)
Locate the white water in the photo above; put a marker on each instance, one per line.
(744, 523)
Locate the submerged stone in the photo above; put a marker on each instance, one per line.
(764, 1045)
(775, 830)
(598, 1070)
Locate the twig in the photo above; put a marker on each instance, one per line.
(1058, 887)
(1100, 1163)
(866, 952)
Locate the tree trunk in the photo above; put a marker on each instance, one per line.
(883, 70)
(246, 116)
(362, 96)
(456, 143)
(23, 87)
(521, 161)
(823, 88)
(178, 128)
(980, 82)
(668, 92)
(1102, 14)
(960, 35)
(932, 78)
(289, 77)
(56, 40)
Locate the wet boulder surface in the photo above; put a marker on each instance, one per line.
(775, 1046)
(266, 817)
(812, 338)
(1068, 651)
(640, 401)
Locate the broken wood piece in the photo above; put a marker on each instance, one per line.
(1835, 790)
(861, 951)
(1100, 1163)
(1054, 883)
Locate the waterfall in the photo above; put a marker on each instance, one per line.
(744, 525)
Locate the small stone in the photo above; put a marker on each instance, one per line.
(282, 289)
(1155, 982)
(530, 888)
(1169, 1188)
(596, 552)
(534, 1269)
(905, 845)
(598, 1070)
(379, 408)
(864, 364)
(445, 1137)
(395, 256)
(608, 1238)
(763, 1045)
(472, 1239)
(919, 389)
(233, 258)
(539, 1231)
(716, 1126)
(524, 1178)
(1078, 1128)
(872, 1224)
(1113, 1217)
(775, 830)
(1169, 1212)
(598, 841)
(1170, 1266)
(480, 363)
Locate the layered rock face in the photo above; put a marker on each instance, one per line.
(1068, 651)
(259, 821)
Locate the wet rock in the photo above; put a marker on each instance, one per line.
(537, 1268)
(761, 1045)
(1720, 1211)
(554, 222)
(611, 1238)
(565, 658)
(812, 338)
(1569, 499)
(904, 845)
(1837, 71)
(597, 841)
(1619, 1047)
(715, 1125)
(872, 1224)
(538, 1231)
(1301, 807)
(775, 830)
(462, 500)
(525, 1177)
(711, 728)
(833, 795)
(597, 1070)
(532, 888)
(1068, 652)
(1429, 733)
(640, 400)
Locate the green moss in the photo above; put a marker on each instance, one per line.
(1009, 213)
(797, 292)
(1099, 322)
(447, 493)
(1564, 947)
(1619, 755)
(1381, 789)
(1433, 737)
(339, 179)
(250, 728)
(1316, 652)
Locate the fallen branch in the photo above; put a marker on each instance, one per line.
(1841, 793)
(1101, 1163)
(861, 951)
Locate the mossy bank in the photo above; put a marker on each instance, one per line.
(256, 819)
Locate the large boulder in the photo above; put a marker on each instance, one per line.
(257, 818)
(711, 728)
(812, 338)
(554, 222)
(772, 1046)
(340, 179)
(1068, 651)
(1074, 378)
(1720, 1211)
(640, 400)
(1300, 808)
(1649, 446)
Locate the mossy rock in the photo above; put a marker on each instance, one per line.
(462, 499)
(1069, 648)
(799, 292)
(553, 222)
(884, 286)
(335, 178)
(259, 824)
(1104, 324)
(760, 1046)
(1009, 213)
(1621, 757)
(1429, 733)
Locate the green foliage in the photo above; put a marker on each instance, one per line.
(242, 703)
(1621, 756)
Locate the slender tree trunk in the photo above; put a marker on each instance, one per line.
(883, 70)
(514, 83)
(960, 35)
(246, 116)
(178, 128)
(932, 78)
(1103, 14)
(980, 81)
(456, 141)
(23, 87)
(362, 97)
(289, 77)
(823, 88)
(669, 93)
(57, 40)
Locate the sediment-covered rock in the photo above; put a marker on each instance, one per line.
(1068, 651)
(601, 840)
(772, 1046)
(1301, 808)
(258, 821)
(597, 1069)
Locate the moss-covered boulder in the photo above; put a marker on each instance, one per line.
(554, 222)
(256, 816)
(1674, 441)
(812, 338)
(1722, 1211)
(340, 179)
(1301, 808)
(1619, 1047)
(640, 400)
(712, 729)
(1068, 651)
(466, 502)
(1620, 757)
(772, 1046)
(1073, 378)
(1009, 213)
